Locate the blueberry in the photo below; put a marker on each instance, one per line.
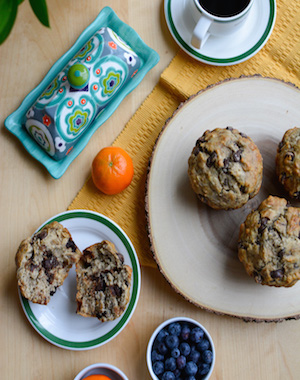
(158, 368)
(172, 341)
(190, 378)
(185, 348)
(196, 334)
(203, 345)
(175, 353)
(155, 356)
(161, 335)
(174, 329)
(177, 373)
(170, 364)
(181, 362)
(194, 356)
(193, 347)
(203, 369)
(191, 368)
(185, 332)
(168, 376)
(207, 356)
(162, 348)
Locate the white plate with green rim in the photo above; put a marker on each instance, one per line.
(58, 322)
(228, 50)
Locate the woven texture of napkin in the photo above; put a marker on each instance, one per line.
(184, 77)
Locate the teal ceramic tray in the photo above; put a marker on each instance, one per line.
(15, 122)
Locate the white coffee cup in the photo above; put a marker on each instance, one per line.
(210, 24)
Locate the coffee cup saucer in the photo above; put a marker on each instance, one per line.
(227, 50)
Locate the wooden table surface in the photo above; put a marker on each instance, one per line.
(29, 196)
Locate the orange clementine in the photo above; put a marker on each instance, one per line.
(112, 170)
(97, 377)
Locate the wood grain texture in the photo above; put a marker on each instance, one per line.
(189, 237)
(29, 196)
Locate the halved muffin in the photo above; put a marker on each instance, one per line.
(43, 262)
(103, 282)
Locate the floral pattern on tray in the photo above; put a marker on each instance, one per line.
(63, 112)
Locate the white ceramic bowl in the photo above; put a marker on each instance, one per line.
(102, 369)
(168, 322)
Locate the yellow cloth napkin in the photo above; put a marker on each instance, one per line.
(279, 58)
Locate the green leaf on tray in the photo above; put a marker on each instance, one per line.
(39, 8)
(8, 13)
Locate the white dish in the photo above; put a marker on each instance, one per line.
(195, 246)
(102, 369)
(228, 50)
(58, 322)
(181, 320)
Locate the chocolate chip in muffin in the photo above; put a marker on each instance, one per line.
(290, 156)
(211, 159)
(281, 253)
(237, 155)
(263, 225)
(72, 245)
(277, 274)
(49, 261)
(41, 235)
(225, 165)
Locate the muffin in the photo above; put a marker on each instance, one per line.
(103, 282)
(269, 243)
(43, 262)
(225, 168)
(288, 162)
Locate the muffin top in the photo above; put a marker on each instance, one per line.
(225, 168)
(269, 243)
(288, 162)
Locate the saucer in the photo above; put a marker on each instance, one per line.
(228, 50)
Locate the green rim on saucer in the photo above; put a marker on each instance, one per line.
(217, 60)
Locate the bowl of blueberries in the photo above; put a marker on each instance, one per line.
(180, 348)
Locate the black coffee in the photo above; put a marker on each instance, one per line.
(224, 8)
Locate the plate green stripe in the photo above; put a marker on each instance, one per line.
(223, 60)
(111, 333)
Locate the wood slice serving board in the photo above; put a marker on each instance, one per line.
(195, 246)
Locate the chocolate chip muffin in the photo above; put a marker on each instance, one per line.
(43, 262)
(103, 282)
(269, 243)
(225, 168)
(288, 162)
